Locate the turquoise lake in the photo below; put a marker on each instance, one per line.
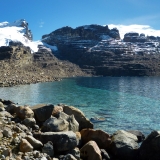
(129, 103)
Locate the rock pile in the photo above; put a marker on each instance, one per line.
(61, 132)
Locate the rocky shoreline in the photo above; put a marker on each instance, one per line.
(61, 132)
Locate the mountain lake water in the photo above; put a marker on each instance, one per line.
(128, 103)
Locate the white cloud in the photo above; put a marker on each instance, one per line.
(146, 29)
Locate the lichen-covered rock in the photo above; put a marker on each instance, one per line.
(79, 116)
(73, 124)
(24, 112)
(102, 138)
(55, 125)
(91, 151)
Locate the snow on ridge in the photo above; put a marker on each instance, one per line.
(146, 29)
(14, 32)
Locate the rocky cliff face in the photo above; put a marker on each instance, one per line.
(24, 24)
(99, 50)
(80, 37)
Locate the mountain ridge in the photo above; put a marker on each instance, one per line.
(89, 50)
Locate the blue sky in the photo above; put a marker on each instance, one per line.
(44, 16)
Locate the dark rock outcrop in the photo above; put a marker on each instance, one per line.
(134, 37)
(98, 52)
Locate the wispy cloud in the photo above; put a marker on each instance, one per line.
(146, 29)
(41, 24)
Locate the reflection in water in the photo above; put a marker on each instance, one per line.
(126, 102)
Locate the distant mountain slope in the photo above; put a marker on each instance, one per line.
(100, 51)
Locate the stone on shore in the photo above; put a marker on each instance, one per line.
(102, 138)
(2, 106)
(29, 122)
(55, 125)
(91, 151)
(24, 112)
(48, 149)
(124, 145)
(11, 108)
(62, 141)
(25, 146)
(150, 147)
(140, 136)
(57, 110)
(34, 142)
(42, 111)
(79, 116)
(73, 124)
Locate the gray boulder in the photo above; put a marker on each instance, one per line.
(55, 125)
(62, 141)
(69, 157)
(34, 142)
(48, 149)
(73, 124)
(150, 147)
(11, 108)
(124, 145)
(42, 111)
(29, 122)
(138, 134)
(7, 132)
(76, 153)
(79, 116)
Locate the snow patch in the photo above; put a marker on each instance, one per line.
(146, 29)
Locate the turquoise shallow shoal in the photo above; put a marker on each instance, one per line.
(129, 103)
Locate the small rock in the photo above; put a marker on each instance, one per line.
(91, 151)
(29, 122)
(25, 146)
(48, 149)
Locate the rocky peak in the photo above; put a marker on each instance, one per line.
(134, 37)
(81, 37)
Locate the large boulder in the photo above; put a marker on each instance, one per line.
(24, 112)
(124, 145)
(55, 125)
(73, 124)
(134, 37)
(62, 141)
(91, 151)
(150, 147)
(140, 136)
(79, 116)
(102, 138)
(42, 111)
